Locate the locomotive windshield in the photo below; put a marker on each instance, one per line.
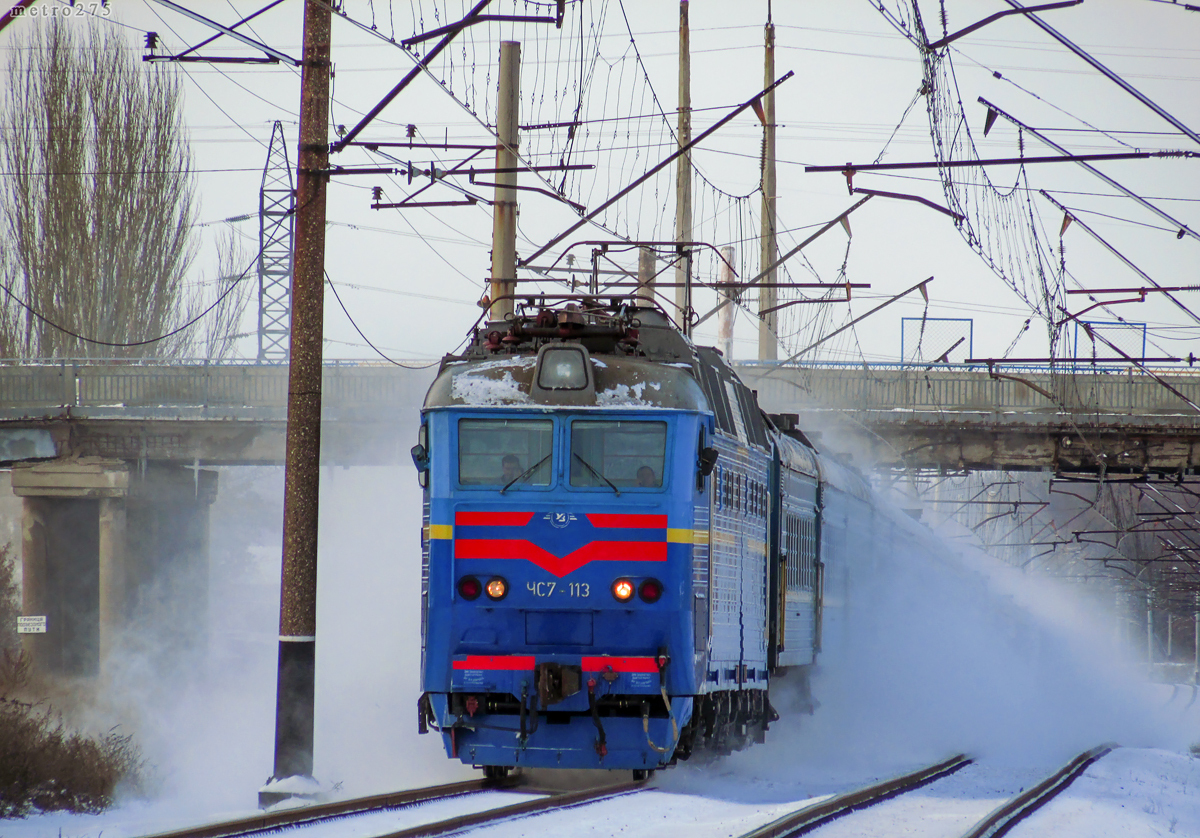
(505, 452)
(624, 454)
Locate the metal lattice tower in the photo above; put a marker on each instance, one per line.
(276, 204)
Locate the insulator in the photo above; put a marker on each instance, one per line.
(151, 41)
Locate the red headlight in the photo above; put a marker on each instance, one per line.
(651, 590)
(622, 589)
(469, 587)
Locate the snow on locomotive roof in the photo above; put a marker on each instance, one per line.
(619, 383)
(797, 456)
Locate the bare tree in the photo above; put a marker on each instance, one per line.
(233, 287)
(97, 201)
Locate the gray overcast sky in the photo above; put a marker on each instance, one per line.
(410, 279)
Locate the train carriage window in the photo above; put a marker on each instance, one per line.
(496, 452)
(625, 454)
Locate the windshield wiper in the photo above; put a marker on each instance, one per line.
(595, 473)
(524, 474)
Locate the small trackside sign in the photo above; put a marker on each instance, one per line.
(31, 625)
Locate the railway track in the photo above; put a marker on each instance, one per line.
(811, 817)
(1005, 817)
(320, 813)
(994, 825)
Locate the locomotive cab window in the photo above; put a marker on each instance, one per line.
(618, 454)
(505, 452)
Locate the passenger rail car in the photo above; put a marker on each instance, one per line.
(620, 550)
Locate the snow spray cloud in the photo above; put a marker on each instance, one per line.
(217, 736)
(369, 633)
(205, 715)
(193, 674)
(942, 654)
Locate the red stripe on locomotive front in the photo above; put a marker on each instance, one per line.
(601, 664)
(493, 519)
(615, 551)
(501, 548)
(507, 662)
(601, 519)
(596, 551)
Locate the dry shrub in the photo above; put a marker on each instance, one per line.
(15, 668)
(10, 599)
(45, 765)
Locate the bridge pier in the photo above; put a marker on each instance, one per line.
(109, 549)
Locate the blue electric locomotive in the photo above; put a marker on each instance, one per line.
(619, 548)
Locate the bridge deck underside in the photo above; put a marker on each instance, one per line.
(1064, 422)
(902, 418)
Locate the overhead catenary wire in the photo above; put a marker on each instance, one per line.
(129, 344)
(353, 323)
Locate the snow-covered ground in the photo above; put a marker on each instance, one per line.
(1129, 793)
(933, 666)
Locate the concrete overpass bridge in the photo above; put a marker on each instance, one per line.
(113, 460)
(953, 417)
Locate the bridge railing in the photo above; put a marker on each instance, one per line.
(261, 389)
(901, 391)
(353, 388)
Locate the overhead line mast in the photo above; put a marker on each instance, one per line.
(768, 293)
(504, 207)
(276, 212)
(683, 174)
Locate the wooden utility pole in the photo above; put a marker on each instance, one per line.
(768, 294)
(504, 211)
(298, 594)
(683, 172)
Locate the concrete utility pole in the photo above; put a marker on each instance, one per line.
(683, 170)
(504, 212)
(768, 294)
(298, 595)
(725, 316)
(647, 266)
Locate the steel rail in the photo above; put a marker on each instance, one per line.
(1009, 814)
(322, 811)
(811, 817)
(566, 800)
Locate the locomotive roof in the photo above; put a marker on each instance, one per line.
(638, 358)
(507, 381)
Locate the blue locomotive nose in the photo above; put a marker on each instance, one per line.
(562, 625)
